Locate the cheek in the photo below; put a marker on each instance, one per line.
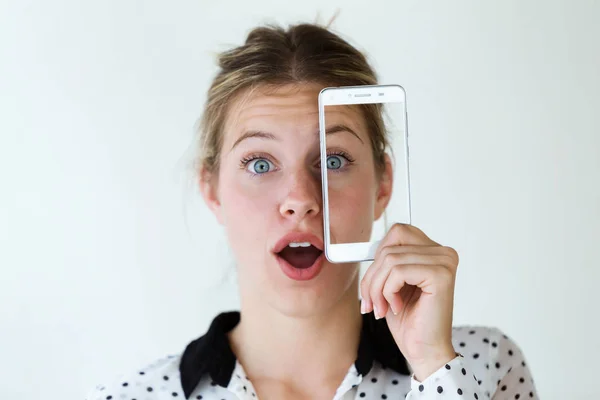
(351, 210)
(247, 206)
(250, 199)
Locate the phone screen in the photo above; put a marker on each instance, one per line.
(368, 187)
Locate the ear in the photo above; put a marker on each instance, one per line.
(384, 189)
(208, 183)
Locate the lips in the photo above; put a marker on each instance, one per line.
(298, 237)
(300, 255)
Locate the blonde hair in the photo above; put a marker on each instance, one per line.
(272, 56)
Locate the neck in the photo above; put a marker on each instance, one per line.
(322, 347)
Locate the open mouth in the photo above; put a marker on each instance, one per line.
(300, 255)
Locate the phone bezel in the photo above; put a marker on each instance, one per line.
(345, 95)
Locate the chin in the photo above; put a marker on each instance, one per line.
(317, 296)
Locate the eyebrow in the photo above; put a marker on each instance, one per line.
(342, 128)
(266, 135)
(254, 134)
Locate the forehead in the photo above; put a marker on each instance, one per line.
(287, 107)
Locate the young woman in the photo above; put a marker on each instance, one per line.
(301, 332)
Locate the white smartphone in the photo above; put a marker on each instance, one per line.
(348, 117)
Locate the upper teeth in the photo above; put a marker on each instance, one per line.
(299, 244)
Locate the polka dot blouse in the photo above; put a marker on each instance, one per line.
(490, 366)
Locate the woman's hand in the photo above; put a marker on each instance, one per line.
(411, 283)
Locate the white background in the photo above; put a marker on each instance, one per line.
(109, 259)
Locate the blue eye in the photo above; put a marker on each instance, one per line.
(334, 162)
(259, 166)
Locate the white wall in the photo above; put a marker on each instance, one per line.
(108, 258)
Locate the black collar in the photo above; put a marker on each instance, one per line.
(211, 353)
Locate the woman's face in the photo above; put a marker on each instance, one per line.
(268, 195)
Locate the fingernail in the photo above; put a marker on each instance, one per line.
(368, 305)
(363, 306)
(392, 308)
(376, 311)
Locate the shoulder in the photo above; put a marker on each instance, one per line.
(484, 342)
(154, 380)
(494, 357)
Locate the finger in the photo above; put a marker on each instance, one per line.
(399, 277)
(379, 303)
(429, 278)
(365, 284)
(428, 275)
(392, 288)
(400, 255)
(375, 275)
(393, 261)
(418, 255)
(449, 253)
(385, 292)
(404, 235)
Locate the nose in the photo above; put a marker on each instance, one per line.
(304, 197)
